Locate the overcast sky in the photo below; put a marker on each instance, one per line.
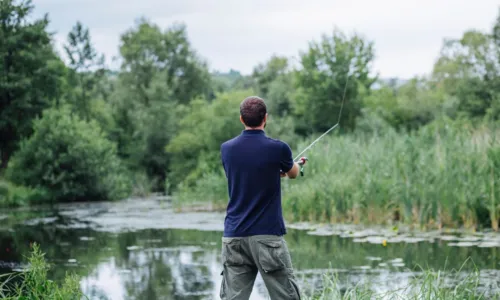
(236, 34)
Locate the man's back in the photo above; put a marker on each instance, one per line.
(253, 238)
(253, 162)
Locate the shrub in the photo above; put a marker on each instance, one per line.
(13, 196)
(69, 158)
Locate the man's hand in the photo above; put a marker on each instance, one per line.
(282, 174)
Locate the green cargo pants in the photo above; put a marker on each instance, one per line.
(243, 257)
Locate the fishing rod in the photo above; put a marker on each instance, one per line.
(302, 162)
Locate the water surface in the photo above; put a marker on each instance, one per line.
(141, 249)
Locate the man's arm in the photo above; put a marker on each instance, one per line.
(294, 172)
(288, 166)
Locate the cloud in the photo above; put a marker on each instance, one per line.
(240, 34)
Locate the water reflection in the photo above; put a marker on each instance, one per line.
(167, 263)
(170, 268)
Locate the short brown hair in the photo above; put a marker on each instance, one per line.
(253, 110)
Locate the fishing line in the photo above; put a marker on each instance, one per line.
(331, 128)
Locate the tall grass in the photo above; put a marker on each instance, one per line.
(34, 284)
(435, 285)
(442, 175)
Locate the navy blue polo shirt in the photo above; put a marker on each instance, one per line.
(252, 163)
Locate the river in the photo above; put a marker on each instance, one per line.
(142, 249)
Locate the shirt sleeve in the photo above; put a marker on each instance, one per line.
(286, 162)
(222, 159)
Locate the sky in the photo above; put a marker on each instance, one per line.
(232, 34)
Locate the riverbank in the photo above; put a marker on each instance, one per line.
(442, 176)
(160, 213)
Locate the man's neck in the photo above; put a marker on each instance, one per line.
(254, 128)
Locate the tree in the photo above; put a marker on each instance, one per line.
(161, 74)
(496, 30)
(326, 67)
(31, 75)
(195, 148)
(149, 53)
(87, 69)
(265, 74)
(469, 69)
(274, 83)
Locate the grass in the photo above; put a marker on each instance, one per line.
(429, 284)
(34, 284)
(441, 176)
(15, 196)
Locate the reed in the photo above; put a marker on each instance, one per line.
(426, 285)
(442, 175)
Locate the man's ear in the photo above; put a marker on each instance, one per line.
(241, 120)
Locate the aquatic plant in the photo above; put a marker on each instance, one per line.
(426, 285)
(34, 283)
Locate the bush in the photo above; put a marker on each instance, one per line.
(69, 158)
(34, 284)
(14, 196)
(195, 149)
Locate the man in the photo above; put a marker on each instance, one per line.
(254, 227)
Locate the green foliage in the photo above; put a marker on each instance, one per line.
(159, 122)
(326, 67)
(265, 74)
(403, 177)
(233, 80)
(141, 132)
(160, 74)
(35, 284)
(148, 52)
(86, 70)
(469, 70)
(70, 158)
(280, 96)
(195, 148)
(410, 106)
(274, 82)
(430, 284)
(408, 177)
(31, 73)
(13, 196)
(156, 128)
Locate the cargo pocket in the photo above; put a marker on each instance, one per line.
(271, 255)
(231, 252)
(222, 293)
(294, 288)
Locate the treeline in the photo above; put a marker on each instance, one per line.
(80, 131)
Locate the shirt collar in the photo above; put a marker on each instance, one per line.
(253, 132)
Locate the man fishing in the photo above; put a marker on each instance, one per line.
(253, 228)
